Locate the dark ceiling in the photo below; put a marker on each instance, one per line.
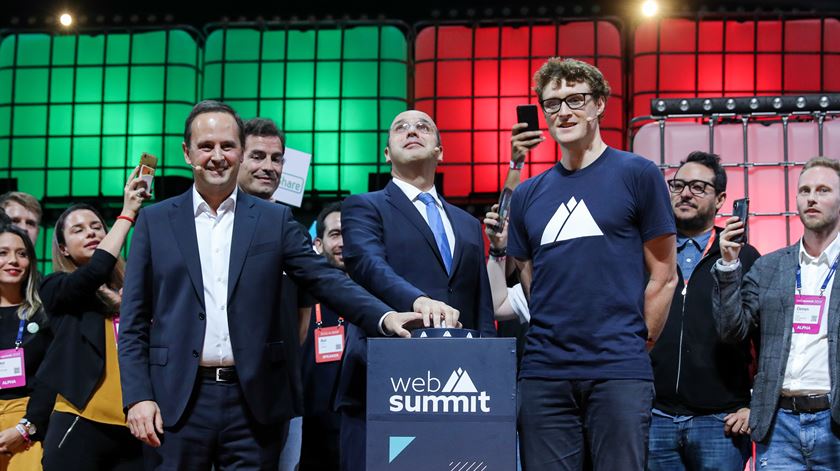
(92, 13)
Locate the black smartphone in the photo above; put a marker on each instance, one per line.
(741, 209)
(504, 208)
(528, 114)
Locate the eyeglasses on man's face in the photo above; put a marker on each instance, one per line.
(575, 101)
(696, 187)
(422, 127)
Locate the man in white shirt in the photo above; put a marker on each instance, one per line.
(792, 297)
(203, 352)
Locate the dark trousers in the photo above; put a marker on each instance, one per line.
(74, 443)
(319, 449)
(560, 419)
(218, 430)
(353, 440)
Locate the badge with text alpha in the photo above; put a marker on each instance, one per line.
(807, 313)
(329, 341)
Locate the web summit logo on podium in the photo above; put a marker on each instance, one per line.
(425, 394)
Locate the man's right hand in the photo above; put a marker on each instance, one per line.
(729, 250)
(144, 420)
(432, 312)
(522, 141)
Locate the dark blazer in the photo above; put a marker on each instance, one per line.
(163, 321)
(390, 250)
(764, 300)
(75, 362)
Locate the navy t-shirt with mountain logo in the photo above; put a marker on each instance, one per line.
(584, 231)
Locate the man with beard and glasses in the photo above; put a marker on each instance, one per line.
(791, 297)
(700, 412)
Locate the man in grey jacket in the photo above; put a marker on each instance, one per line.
(791, 296)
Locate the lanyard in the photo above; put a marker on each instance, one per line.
(19, 339)
(318, 320)
(705, 251)
(825, 283)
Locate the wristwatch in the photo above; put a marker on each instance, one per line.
(29, 426)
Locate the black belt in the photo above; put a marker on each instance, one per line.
(220, 374)
(810, 403)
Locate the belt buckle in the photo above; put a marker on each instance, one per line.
(793, 403)
(218, 375)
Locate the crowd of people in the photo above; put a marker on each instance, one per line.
(655, 340)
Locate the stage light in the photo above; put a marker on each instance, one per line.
(66, 20)
(755, 105)
(650, 8)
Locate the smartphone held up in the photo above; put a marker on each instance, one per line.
(148, 165)
(741, 209)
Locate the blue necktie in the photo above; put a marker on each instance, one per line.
(436, 224)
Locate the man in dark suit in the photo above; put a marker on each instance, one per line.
(412, 250)
(203, 354)
(259, 175)
(792, 297)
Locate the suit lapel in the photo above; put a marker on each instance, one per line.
(458, 230)
(183, 228)
(398, 200)
(788, 279)
(244, 226)
(833, 306)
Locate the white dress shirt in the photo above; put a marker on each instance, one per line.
(413, 195)
(214, 231)
(807, 367)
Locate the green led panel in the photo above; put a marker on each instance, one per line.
(334, 92)
(76, 111)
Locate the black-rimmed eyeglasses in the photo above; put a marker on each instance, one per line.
(696, 187)
(575, 101)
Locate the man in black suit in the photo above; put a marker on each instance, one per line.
(413, 250)
(203, 355)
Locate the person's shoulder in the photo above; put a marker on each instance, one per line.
(168, 203)
(461, 213)
(371, 198)
(774, 258)
(534, 181)
(630, 161)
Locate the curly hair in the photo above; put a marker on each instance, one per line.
(556, 69)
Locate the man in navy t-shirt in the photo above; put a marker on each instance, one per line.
(597, 232)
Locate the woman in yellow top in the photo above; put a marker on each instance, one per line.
(87, 429)
(25, 337)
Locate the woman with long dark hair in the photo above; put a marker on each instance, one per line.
(25, 337)
(87, 429)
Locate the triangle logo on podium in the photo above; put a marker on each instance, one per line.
(459, 382)
(396, 445)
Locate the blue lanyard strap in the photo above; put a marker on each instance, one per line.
(19, 339)
(827, 278)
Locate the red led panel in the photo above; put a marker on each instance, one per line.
(683, 57)
(470, 79)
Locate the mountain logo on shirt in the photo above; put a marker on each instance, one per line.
(572, 220)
